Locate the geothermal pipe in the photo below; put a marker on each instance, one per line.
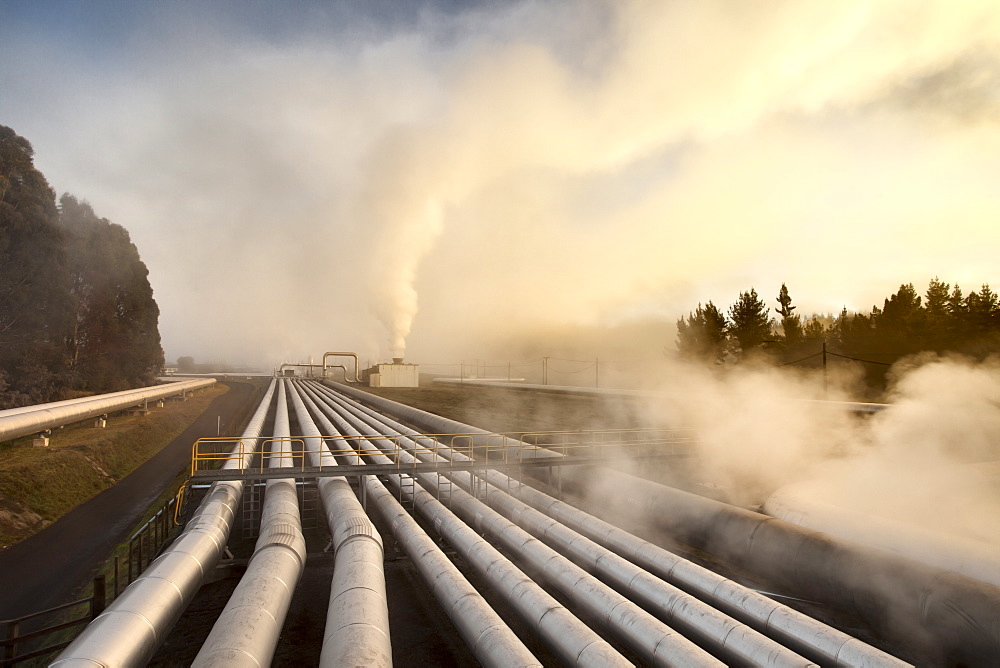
(653, 641)
(246, 633)
(490, 639)
(133, 626)
(573, 641)
(357, 621)
(699, 621)
(792, 628)
(17, 422)
(938, 614)
(357, 365)
(975, 559)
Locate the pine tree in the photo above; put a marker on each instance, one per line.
(790, 324)
(749, 324)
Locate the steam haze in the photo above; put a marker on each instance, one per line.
(448, 177)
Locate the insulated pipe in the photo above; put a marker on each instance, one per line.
(573, 641)
(653, 641)
(490, 639)
(729, 639)
(937, 614)
(247, 631)
(800, 632)
(357, 365)
(17, 422)
(128, 632)
(797, 503)
(357, 621)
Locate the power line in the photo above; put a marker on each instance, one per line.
(855, 359)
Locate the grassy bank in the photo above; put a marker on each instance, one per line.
(39, 485)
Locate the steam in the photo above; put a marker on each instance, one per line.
(931, 460)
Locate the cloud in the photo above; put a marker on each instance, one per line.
(360, 180)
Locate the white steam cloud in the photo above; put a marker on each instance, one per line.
(519, 166)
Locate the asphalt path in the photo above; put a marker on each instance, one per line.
(49, 568)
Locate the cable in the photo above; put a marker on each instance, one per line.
(803, 359)
(860, 360)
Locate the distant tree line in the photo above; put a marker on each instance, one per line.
(944, 319)
(77, 313)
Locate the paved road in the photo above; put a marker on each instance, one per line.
(46, 569)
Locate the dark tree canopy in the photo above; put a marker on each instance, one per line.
(703, 336)
(790, 323)
(76, 308)
(749, 324)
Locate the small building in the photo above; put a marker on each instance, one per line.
(396, 374)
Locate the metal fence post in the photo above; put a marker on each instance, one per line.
(99, 601)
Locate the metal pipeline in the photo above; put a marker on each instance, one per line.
(17, 422)
(246, 633)
(357, 365)
(572, 640)
(357, 622)
(935, 613)
(712, 629)
(133, 626)
(489, 638)
(655, 642)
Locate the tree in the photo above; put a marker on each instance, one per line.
(749, 323)
(33, 278)
(114, 341)
(703, 336)
(790, 324)
(185, 363)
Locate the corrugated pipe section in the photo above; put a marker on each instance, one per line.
(246, 633)
(17, 422)
(357, 622)
(128, 632)
(650, 639)
(572, 640)
(489, 638)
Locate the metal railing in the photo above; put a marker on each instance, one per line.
(142, 548)
(208, 454)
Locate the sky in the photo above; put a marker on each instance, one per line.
(449, 178)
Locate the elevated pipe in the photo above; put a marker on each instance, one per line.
(17, 422)
(711, 628)
(671, 507)
(486, 634)
(247, 631)
(357, 365)
(128, 632)
(653, 641)
(357, 621)
(573, 641)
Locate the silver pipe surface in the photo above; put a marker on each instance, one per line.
(729, 639)
(572, 640)
(652, 640)
(674, 510)
(357, 621)
(128, 632)
(246, 633)
(17, 422)
(489, 638)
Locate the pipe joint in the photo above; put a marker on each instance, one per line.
(287, 535)
(354, 528)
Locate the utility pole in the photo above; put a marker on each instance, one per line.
(461, 375)
(824, 369)
(545, 371)
(597, 372)
(508, 371)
